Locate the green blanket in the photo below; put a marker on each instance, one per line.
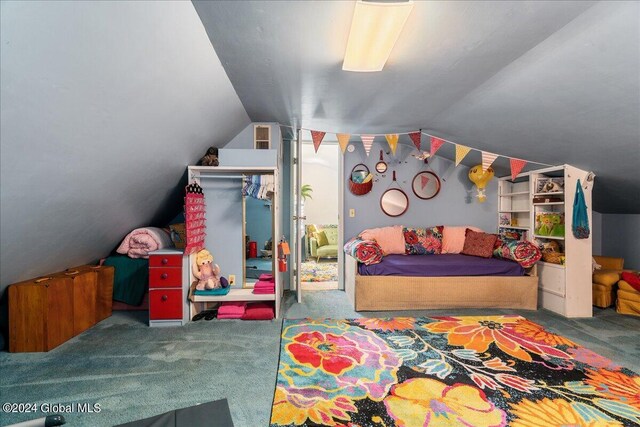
(131, 278)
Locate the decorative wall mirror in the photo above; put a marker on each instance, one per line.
(258, 224)
(426, 185)
(381, 166)
(394, 202)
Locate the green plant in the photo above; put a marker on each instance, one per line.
(306, 191)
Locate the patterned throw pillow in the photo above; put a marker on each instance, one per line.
(422, 241)
(479, 244)
(521, 251)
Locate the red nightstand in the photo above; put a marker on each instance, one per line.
(166, 295)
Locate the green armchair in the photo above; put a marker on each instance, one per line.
(323, 242)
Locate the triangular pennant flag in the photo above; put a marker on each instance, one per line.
(423, 181)
(343, 140)
(367, 141)
(392, 139)
(436, 143)
(317, 136)
(461, 152)
(488, 159)
(415, 137)
(516, 167)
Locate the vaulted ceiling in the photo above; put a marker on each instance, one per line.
(553, 82)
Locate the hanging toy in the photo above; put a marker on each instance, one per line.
(481, 178)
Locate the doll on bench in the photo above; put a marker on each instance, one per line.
(207, 273)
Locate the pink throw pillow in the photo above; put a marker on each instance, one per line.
(453, 239)
(390, 239)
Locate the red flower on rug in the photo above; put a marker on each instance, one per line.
(334, 353)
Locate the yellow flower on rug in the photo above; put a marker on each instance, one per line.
(427, 402)
(296, 409)
(552, 413)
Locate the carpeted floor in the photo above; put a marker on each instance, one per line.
(134, 371)
(323, 271)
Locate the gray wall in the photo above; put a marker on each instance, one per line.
(621, 238)
(454, 205)
(596, 233)
(103, 105)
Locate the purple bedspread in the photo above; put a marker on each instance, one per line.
(441, 265)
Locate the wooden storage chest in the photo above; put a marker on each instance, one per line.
(40, 314)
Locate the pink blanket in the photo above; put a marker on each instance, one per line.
(141, 241)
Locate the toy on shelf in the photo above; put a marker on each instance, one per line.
(207, 273)
(550, 224)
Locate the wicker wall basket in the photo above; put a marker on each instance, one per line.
(360, 189)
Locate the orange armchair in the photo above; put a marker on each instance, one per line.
(605, 280)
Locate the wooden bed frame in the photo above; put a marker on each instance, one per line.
(380, 293)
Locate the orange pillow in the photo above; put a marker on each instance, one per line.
(390, 239)
(453, 239)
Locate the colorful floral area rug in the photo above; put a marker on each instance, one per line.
(446, 371)
(312, 271)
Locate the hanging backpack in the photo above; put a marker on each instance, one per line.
(580, 224)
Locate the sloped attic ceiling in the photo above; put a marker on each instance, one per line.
(554, 82)
(103, 105)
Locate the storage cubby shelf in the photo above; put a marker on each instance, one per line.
(556, 193)
(245, 294)
(548, 237)
(564, 289)
(517, 193)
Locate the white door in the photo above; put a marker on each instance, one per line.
(297, 231)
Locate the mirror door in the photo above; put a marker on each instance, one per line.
(258, 216)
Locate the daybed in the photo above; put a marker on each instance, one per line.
(452, 280)
(373, 293)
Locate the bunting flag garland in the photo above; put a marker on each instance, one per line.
(516, 167)
(461, 152)
(415, 137)
(392, 139)
(343, 140)
(488, 159)
(317, 137)
(436, 143)
(367, 141)
(424, 180)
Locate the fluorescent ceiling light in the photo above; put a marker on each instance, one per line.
(374, 31)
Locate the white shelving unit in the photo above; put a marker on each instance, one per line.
(563, 288)
(199, 303)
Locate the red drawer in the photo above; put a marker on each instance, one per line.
(165, 304)
(165, 277)
(165, 261)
